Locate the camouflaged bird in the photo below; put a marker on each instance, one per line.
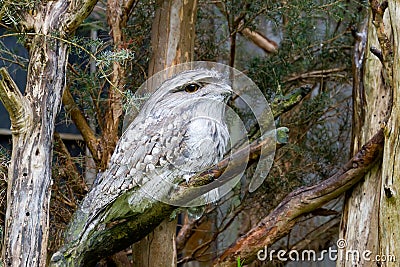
(179, 131)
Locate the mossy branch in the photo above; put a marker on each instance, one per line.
(16, 105)
(282, 104)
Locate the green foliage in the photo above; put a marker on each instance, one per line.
(315, 47)
(311, 110)
(92, 59)
(84, 47)
(106, 58)
(314, 36)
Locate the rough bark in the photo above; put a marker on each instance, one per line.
(370, 217)
(29, 178)
(389, 229)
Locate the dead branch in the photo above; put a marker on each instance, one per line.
(259, 40)
(255, 37)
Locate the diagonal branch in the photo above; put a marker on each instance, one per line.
(301, 202)
(238, 26)
(80, 121)
(78, 10)
(15, 103)
(263, 42)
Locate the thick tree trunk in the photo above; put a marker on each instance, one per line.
(29, 178)
(389, 212)
(33, 120)
(173, 34)
(370, 218)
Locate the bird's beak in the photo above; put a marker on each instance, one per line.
(225, 91)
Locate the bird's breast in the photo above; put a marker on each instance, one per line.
(205, 142)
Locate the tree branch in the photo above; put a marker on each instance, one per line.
(314, 74)
(80, 121)
(285, 103)
(259, 40)
(302, 201)
(255, 37)
(15, 103)
(79, 10)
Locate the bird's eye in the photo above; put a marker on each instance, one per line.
(192, 87)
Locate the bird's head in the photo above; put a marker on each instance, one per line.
(193, 89)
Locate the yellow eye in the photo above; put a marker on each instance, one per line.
(192, 87)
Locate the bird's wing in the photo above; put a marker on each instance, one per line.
(145, 150)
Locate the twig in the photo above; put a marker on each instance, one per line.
(315, 73)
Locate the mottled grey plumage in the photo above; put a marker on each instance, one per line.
(178, 132)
